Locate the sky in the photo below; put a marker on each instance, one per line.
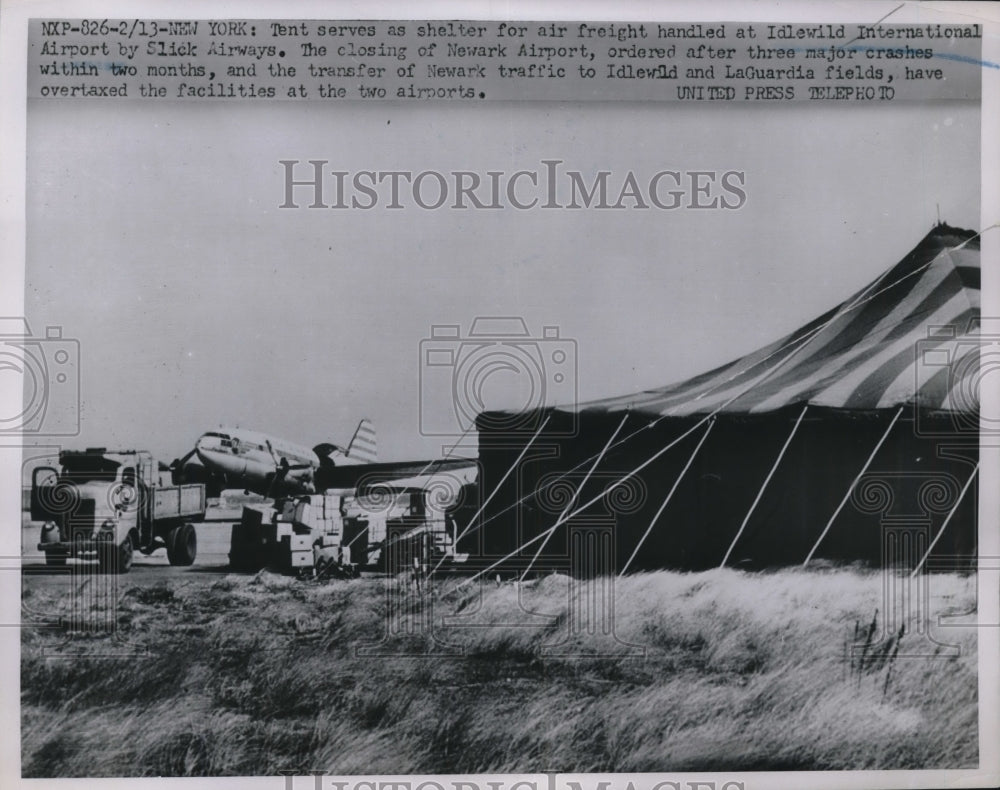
(155, 239)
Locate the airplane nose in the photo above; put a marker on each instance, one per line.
(214, 456)
(206, 448)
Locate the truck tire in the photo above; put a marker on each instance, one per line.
(116, 559)
(182, 545)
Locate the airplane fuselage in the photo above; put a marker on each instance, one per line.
(250, 460)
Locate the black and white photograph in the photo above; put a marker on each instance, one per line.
(594, 397)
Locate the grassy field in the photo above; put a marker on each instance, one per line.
(724, 670)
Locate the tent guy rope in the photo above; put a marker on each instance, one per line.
(944, 526)
(468, 527)
(850, 488)
(774, 467)
(667, 499)
(576, 492)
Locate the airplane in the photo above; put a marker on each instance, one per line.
(267, 465)
(237, 458)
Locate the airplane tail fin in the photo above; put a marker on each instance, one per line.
(364, 443)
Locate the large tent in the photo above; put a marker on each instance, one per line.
(851, 439)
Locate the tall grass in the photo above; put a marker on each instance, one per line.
(718, 670)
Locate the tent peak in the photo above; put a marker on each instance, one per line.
(945, 235)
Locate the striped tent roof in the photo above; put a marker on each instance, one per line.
(911, 337)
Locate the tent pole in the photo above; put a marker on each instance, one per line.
(951, 513)
(576, 493)
(850, 488)
(760, 494)
(497, 487)
(670, 494)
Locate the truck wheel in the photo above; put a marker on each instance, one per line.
(182, 545)
(116, 559)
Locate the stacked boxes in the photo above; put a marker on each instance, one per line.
(310, 528)
(332, 528)
(298, 550)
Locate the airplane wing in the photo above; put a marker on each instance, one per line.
(396, 472)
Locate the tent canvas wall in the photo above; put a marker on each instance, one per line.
(860, 428)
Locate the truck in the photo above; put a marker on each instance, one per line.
(106, 505)
(341, 533)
